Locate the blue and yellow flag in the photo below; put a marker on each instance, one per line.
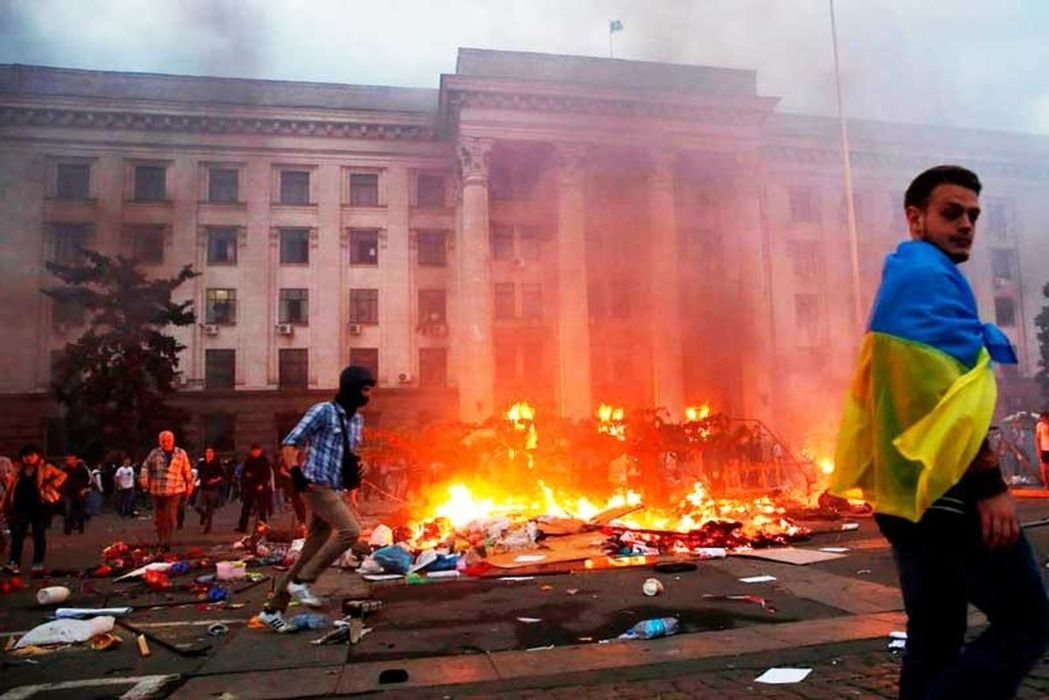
(923, 395)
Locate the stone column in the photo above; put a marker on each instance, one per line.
(471, 328)
(666, 333)
(573, 319)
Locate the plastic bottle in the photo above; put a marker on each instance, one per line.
(309, 621)
(650, 629)
(52, 595)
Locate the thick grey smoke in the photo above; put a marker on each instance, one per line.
(963, 63)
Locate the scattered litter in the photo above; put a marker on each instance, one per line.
(309, 621)
(141, 571)
(783, 675)
(847, 527)
(546, 588)
(101, 642)
(710, 552)
(393, 559)
(52, 595)
(756, 599)
(834, 550)
(789, 555)
(218, 629)
(546, 648)
(382, 536)
(529, 558)
(862, 572)
(897, 635)
(571, 591)
(898, 644)
(66, 631)
(651, 629)
(443, 574)
(382, 577)
(516, 578)
(530, 620)
(585, 639)
(217, 594)
(143, 645)
(230, 570)
(652, 587)
(764, 578)
(84, 613)
(156, 580)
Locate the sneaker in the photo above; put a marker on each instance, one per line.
(275, 621)
(301, 592)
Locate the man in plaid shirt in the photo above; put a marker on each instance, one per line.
(168, 477)
(330, 432)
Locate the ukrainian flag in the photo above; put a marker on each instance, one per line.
(923, 395)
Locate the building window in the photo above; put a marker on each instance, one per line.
(220, 306)
(505, 307)
(1004, 312)
(67, 312)
(807, 315)
(803, 205)
(222, 185)
(294, 246)
(222, 246)
(432, 306)
(219, 431)
(433, 367)
(1003, 264)
(502, 242)
(293, 368)
(294, 306)
(806, 258)
(432, 249)
(70, 241)
(73, 181)
(532, 301)
(528, 242)
(429, 191)
(149, 183)
(148, 242)
(367, 358)
(364, 189)
(220, 367)
(364, 306)
(295, 187)
(364, 247)
(512, 179)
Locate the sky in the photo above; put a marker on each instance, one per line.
(969, 63)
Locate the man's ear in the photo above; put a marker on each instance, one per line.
(914, 223)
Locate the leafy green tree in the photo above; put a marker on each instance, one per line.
(1042, 322)
(114, 381)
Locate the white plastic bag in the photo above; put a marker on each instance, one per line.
(66, 631)
(382, 536)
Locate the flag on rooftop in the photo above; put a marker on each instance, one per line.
(615, 26)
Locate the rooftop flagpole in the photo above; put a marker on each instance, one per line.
(614, 26)
(850, 205)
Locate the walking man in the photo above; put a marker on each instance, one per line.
(75, 493)
(914, 439)
(125, 482)
(255, 487)
(212, 477)
(167, 476)
(330, 434)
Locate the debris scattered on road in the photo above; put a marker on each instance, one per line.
(52, 595)
(218, 629)
(756, 599)
(143, 645)
(764, 578)
(651, 629)
(835, 550)
(102, 642)
(652, 587)
(66, 631)
(897, 640)
(530, 620)
(783, 675)
(863, 572)
(85, 613)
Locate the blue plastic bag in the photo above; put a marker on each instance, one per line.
(393, 559)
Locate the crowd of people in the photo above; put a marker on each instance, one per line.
(34, 491)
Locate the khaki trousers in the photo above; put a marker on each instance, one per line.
(329, 514)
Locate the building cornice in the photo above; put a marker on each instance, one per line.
(172, 122)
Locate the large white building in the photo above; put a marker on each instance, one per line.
(560, 229)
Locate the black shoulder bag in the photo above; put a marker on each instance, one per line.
(351, 463)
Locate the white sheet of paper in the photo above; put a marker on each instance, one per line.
(516, 578)
(758, 579)
(381, 577)
(834, 550)
(788, 555)
(529, 620)
(783, 675)
(847, 527)
(898, 644)
(530, 557)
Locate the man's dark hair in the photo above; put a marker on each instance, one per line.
(30, 449)
(921, 187)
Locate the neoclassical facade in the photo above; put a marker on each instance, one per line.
(564, 230)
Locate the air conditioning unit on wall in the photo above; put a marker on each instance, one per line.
(355, 329)
(404, 378)
(211, 329)
(285, 329)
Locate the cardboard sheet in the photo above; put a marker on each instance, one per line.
(790, 555)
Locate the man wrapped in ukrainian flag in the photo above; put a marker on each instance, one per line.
(914, 439)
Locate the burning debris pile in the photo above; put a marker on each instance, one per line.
(579, 496)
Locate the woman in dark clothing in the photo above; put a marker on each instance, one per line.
(28, 503)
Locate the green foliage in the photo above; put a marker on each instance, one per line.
(1041, 321)
(114, 380)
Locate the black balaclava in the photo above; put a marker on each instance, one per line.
(352, 381)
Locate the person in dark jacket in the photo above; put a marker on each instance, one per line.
(255, 487)
(75, 493)
(212, 477)
(28, 502)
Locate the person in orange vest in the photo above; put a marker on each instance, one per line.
(28, 503)
(1041, 444)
